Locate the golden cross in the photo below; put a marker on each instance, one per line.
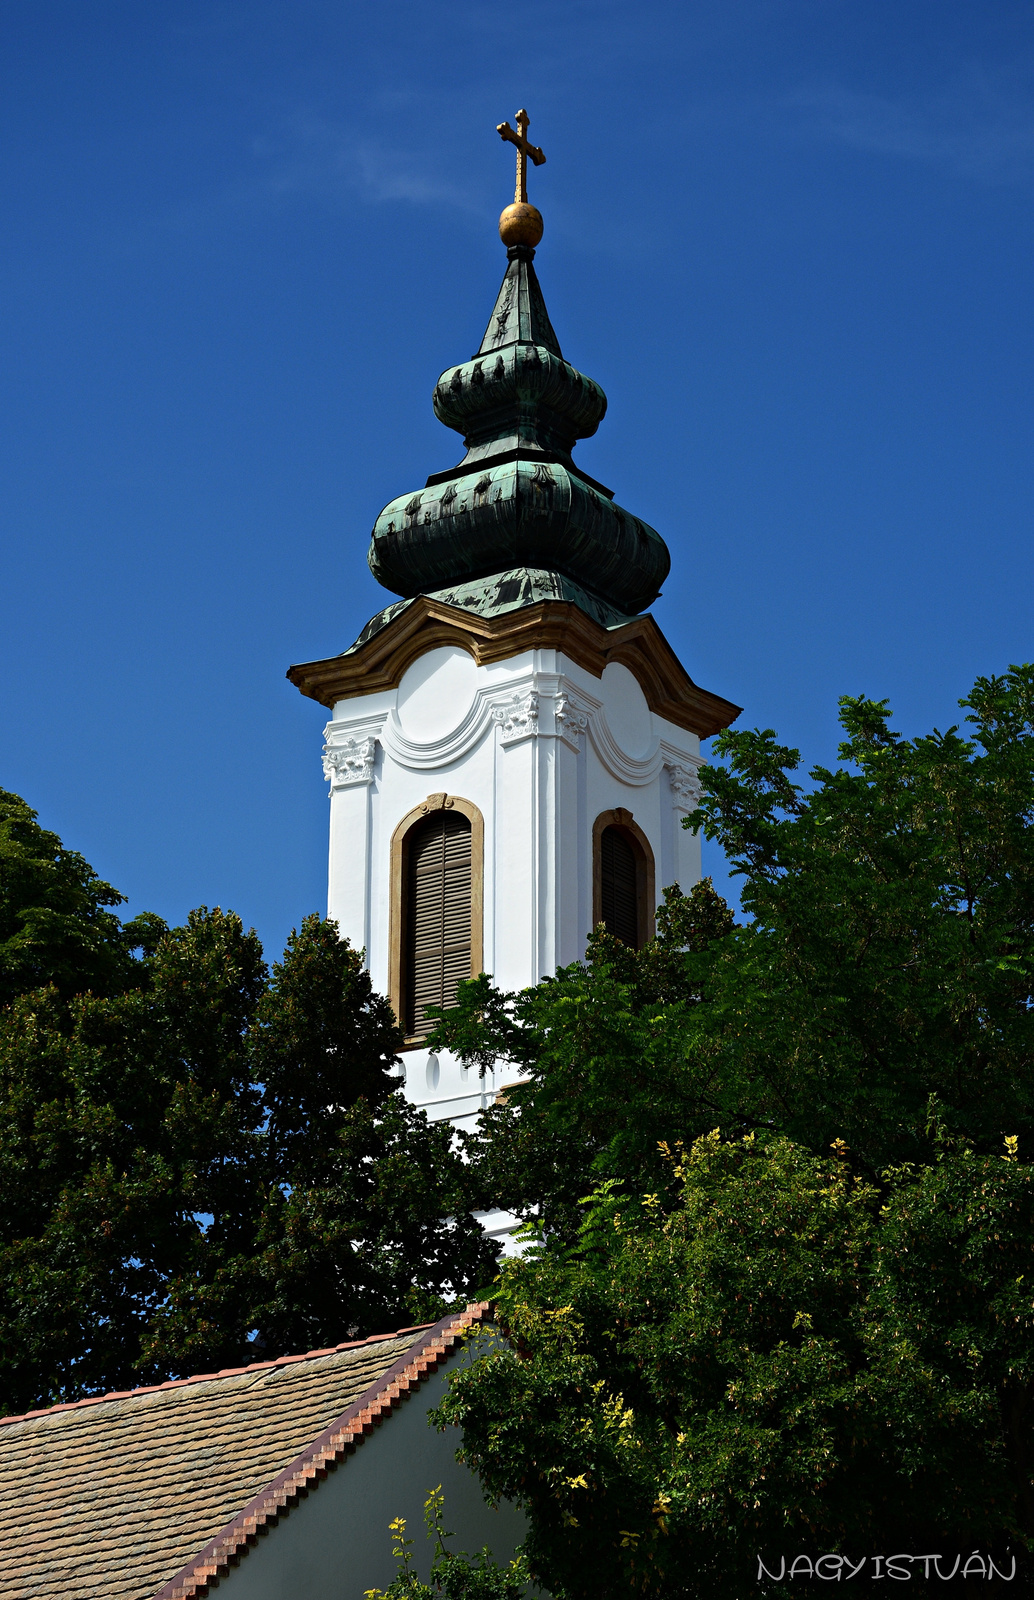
(524, 149)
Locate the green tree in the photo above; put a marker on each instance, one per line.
(322, 1040)
(129, 1141)
(201, 1162)
(780, 1359)
(750, 1347)
(888, 955)
(359, 1212)
(56, 925)
(890, 951)
(603, 1065)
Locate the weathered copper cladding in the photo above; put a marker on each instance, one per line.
(517, 499)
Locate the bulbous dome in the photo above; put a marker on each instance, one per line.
(517, 500)
(524, 383)
(523, 513)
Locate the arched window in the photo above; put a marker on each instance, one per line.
(619, 886)
(437, 954)
(436, 908)
(623, 897)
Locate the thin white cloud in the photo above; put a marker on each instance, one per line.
(317, 156)
(982, 128)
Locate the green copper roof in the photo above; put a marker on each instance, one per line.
(507, 591)
(527, 511)
(520, 315)
(517, 503)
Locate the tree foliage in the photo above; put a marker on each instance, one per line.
(56, 922)
(202, 1162)
(603, 1064)
(761, 1344)
(890, 953)
(783, 1358)
(454, 1573)
(889, 956)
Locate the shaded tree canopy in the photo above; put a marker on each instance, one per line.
(56, 922)
(889, 957)
(779, 1359)
(729, 1339)
(202, 1162)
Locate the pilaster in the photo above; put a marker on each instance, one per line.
(542, 742)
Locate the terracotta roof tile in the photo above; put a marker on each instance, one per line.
(114, 1497)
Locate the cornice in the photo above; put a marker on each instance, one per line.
(428, 624)
(531, 705)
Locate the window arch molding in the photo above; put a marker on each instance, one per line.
(399, 932)
(625, 825)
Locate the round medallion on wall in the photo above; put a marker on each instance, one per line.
(628, 715)
(435, 693)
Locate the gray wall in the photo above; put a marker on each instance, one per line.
(335, 1543)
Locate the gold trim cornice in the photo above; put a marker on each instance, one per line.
(549, 625)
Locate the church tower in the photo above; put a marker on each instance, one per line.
(513, 744)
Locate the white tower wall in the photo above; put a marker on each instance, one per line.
(541, 747)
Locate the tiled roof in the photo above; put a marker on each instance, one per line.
(123, 1496)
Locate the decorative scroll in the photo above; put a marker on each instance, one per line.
(350, 762)
(685, 786)
(519, 717)
(571, 720)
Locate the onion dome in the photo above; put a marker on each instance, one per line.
(516, 516)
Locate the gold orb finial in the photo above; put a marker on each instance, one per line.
(521, 223)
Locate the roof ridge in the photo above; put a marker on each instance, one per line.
(325, 1451)
(209, 1377)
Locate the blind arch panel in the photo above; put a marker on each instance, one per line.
(438, 921)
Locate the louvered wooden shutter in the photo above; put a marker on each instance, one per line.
(437, 916)
(619, 885)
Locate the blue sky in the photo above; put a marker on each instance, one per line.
(791, 238)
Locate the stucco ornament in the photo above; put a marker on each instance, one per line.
(571, 720)
(518, 718)
(685, 786)
(350, 762)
